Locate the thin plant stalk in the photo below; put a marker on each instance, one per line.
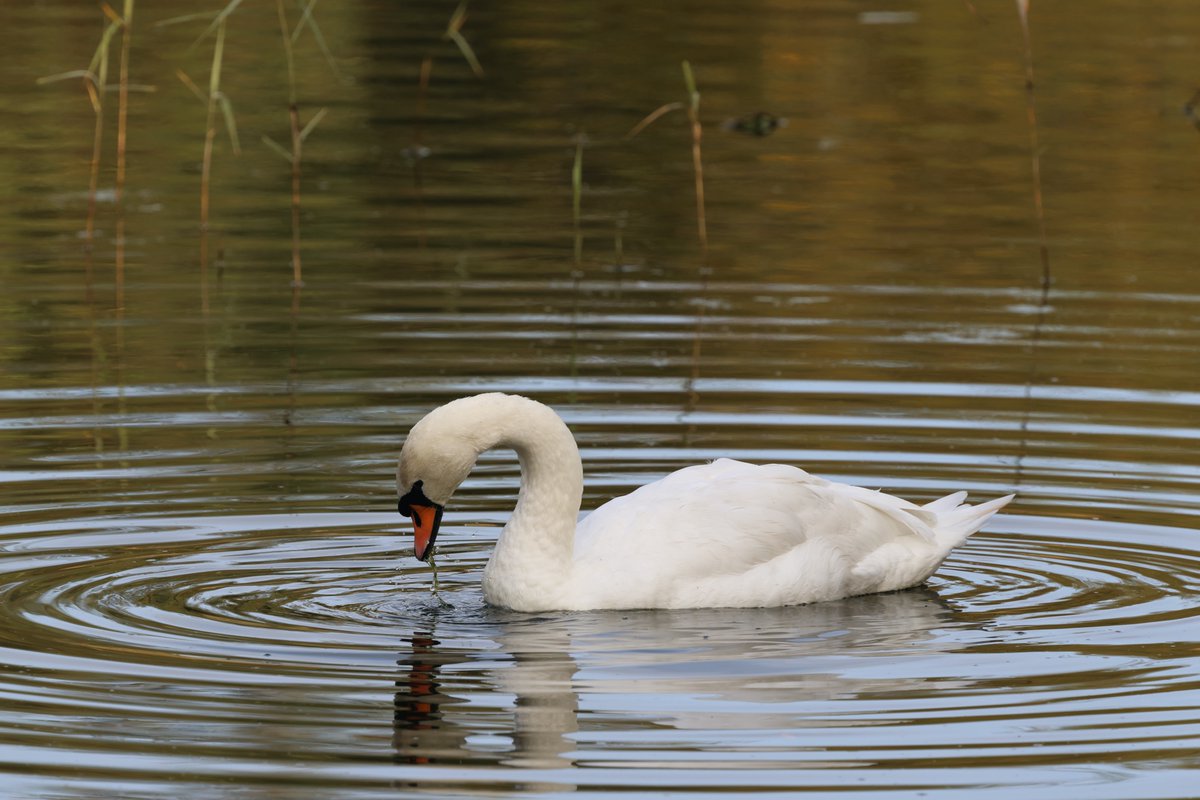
(1034, 147)
(294, 124)
(97, 347)
(119, 243)
(577, 268)
(123, 96)
(95, 79)
(214, 101)
(693, 110)
(210, 135)
(122, 128)
(576, 200)
(417, 152)
(297, 144)
(293, 357)
(95, 82)
(94, 168)
(210, 124)
(454, 34)
(298, 133)
(649, 119)
(307, 20)
(1043, 247)
(619, 248)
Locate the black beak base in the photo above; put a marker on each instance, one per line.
(413, 497)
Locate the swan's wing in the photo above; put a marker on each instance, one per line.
(729, 517)
(705, 507)
(730, 533)
(736, 534)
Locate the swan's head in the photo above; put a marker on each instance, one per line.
(437, 456)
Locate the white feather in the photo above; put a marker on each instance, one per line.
(723, 534)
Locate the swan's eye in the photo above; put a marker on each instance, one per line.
(413, 495)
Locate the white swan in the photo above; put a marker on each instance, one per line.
(724, 534)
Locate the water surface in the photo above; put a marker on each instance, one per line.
(206, 589)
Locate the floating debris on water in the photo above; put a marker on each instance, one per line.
(760, 123)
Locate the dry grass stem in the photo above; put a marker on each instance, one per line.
(1044, 250)
(95, 80)
(1035, 148)
(454, 34)
(297, 142)
(650, 118)
(123, 95)
(216, 25)
(126, 24)
(307, 20)
(697, 162)
(577, 200)
(210, 128)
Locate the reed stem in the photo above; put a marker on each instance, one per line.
(297, 138)
(693, 109)
(576, 200)
(454, 34)
(122, 128)
(210, 127)
(123, 97)
(297, 144)
(94, 169)
(210, 135)
(1034, 147)
(577, 265)
(697, 163)
(1043, 247)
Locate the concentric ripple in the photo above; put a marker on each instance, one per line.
(218, 590)
(1050, 654)
(1045, 643)
(866, 299)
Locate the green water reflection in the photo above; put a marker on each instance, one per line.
(196, 598)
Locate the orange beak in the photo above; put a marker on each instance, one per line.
(426, 520)
(426, 516)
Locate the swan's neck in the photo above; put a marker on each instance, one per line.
(534, 553)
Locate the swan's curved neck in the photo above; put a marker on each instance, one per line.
(535, 550)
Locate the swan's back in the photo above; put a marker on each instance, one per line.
(737, 534)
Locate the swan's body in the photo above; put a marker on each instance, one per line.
(723, 534)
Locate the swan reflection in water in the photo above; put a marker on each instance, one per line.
(488, 687)
(433, 726)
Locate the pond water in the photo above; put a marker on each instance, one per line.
(207, 591)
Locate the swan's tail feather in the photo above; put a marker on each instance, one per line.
(947, 503)
(958, 521)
